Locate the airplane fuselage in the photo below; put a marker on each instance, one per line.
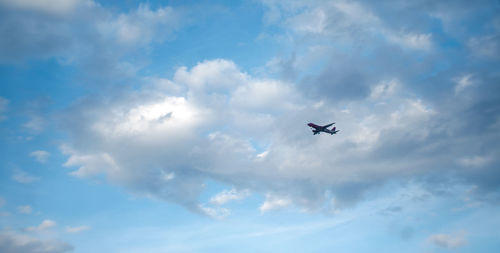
(318, 129)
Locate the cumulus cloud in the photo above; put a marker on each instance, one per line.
(17, 243)
(40, 155)
(165, 145)
(449, 241)
(45, 225)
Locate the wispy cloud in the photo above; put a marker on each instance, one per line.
(78, 229)
(23, 177)
(25, 209)
(464, 82)
(45, 225)
(36, 124)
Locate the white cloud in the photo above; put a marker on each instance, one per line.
(45, 225)
(216, 213)
(449, 241)
(11, 242)
(411, 40)
(74, 230)
(25, 209)
(463, 82)
(40, 155)
(23, 177)
(263, 95)
(273, 202)
(225, 196)
(218, 74)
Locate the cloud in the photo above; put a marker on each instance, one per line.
(449, 241)
(176, 141)
(141, 26)
(36, 124)
(25, 209)
(225, 196)
(53, 7)
(216, 213)
(274, 202)
(40, 155)
(475, 161)
(17, 243)
(384, 89)
(463, 83)
(341, 20)
(74, 230)
(45, 225)
(23, 177)
(487, 46)
(105, 46)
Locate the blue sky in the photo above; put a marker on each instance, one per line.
(180, 126)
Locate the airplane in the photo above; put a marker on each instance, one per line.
(318, 129)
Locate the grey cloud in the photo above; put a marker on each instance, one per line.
(32, 35)
(96, 40)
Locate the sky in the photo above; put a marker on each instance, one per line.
(181, 126)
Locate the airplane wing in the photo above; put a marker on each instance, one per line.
(328, 125)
